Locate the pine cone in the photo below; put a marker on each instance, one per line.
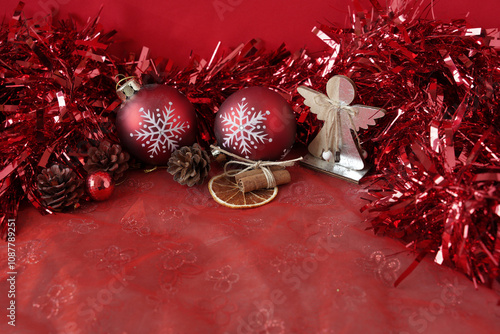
(59, 187)
(108, 158)
(189, 165)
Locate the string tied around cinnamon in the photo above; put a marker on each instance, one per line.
(251, 165)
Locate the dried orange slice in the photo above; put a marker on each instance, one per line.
(225, 191)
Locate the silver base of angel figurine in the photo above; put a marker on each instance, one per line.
(334, 169)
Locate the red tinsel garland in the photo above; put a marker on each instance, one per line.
(56, 93)
(436, 154)
(436, 183)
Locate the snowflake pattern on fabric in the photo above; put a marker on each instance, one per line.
(161, 131)
(244, 128)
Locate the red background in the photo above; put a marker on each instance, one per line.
(172, 29)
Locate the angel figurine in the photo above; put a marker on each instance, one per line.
(334, 149)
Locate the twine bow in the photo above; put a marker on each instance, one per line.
(251, 165)
(333, 121)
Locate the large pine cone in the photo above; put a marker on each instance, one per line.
(108, 158)
(59, 187)
(189, 165)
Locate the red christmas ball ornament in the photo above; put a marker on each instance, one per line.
(256, 123)
(100, 185)
(155, 121)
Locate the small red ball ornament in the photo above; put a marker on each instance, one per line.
(154, 122)
(256, 123)
(100, 185)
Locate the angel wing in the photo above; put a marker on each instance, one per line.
(311, 100)
(366, 116)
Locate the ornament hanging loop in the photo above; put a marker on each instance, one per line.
(126, 87)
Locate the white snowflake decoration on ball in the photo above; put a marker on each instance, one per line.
(161, 131)
(243, 128)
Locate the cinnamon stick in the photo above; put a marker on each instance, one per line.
(257, 171)
(257, 180)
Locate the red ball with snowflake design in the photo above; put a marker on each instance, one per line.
(256, 123)
(156, 121)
